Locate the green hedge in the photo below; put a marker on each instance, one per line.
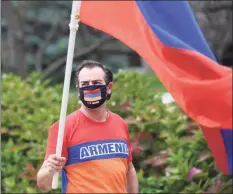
(167, 145)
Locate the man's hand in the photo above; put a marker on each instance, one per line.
(54, 163)
(50, 166)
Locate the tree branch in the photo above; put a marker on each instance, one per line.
(114, 51)
(55, 65)
(41, 50)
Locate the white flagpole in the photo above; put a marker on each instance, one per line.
(74, 24)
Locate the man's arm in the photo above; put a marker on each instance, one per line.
(132, 179)
(45, 175)
(52, 163)
(44, 179)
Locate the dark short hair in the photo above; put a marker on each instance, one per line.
(92, 64)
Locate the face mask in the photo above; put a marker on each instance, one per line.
(93, 96)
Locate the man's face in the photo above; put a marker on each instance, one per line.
(91, 77)
(94, 76)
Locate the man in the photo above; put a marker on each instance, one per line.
(96, 154)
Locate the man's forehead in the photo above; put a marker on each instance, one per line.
(94, 74)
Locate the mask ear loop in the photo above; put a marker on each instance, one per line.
(78, 94)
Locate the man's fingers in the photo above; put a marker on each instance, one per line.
(53, 159)
(54, 167)
(53, 156)
(58, 158)
(54, 162)
(63, 163)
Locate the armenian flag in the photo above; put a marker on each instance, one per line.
(92, 95)
(167, 35)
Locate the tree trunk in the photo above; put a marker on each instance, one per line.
(15, 39)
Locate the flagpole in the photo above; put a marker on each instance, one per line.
(74, 25)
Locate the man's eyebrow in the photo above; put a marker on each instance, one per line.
(97, 80)
(84, 81)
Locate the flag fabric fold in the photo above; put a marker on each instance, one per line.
(167, 36)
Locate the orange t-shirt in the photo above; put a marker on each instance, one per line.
(97, 154)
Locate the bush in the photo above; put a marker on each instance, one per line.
(29, 108)
(170, 153)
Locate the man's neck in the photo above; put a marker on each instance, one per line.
(97, 114)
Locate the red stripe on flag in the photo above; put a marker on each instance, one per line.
(91, 91)
(217, 147)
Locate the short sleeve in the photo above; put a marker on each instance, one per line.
(52, 142)
(130, 158)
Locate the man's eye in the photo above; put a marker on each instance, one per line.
(97, 82)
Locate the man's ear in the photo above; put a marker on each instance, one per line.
(109, 88)
(77, 86)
